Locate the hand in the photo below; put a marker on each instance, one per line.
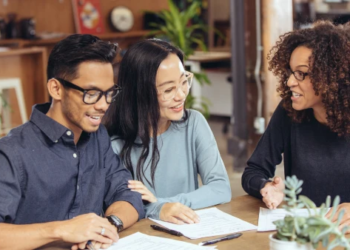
(178, 213)
(345, 221)
(137, 186)
(97, 245)
(87, 227)
(272, 193)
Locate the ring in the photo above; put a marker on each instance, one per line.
(103, 231)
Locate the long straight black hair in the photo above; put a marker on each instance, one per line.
(135, 111)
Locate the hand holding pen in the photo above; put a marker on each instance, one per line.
(87, 227)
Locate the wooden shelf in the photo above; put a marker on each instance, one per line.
(42, 42)
(29, 65)
(25, 51)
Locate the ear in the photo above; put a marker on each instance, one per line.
(55, 89)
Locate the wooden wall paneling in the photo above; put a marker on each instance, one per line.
(57, 15)
(30, 68)
(136, 6)
(277, 20)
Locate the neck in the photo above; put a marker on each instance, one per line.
(320, 114)
(55, 113)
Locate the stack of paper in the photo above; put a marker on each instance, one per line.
(213, 222)
(139, 241)
(267, 217)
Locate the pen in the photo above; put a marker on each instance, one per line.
(169, 231)
(228, 237)
(90, 246)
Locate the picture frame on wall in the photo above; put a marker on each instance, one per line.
(88, 17)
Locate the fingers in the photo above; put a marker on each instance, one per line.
(344, 224)
(172, 219)
(104, 246)
(329, 213)
(135, 184)
(346, 216)
(178, 213)
(110, 235)
(148, 198)
(82, 245)
(191, 214)
(138, 186)
(267, 203)
(97, 245)
(277, 179)
(271, 202)
(185, 218)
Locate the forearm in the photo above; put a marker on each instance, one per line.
(28, 236)
(205, 196)
(124, 211)
(253, 179)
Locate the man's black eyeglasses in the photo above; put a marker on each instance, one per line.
(299, 75)
(91, 96)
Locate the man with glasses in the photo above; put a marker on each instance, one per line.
(60, 180)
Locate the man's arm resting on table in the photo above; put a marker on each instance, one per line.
(124, 211)
(79, 229)
(27, 236)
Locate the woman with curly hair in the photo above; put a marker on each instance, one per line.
(311, 125)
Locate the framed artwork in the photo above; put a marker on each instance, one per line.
(88, 17)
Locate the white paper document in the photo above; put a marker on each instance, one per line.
(139, 241)
(213, 222)
(268, 216)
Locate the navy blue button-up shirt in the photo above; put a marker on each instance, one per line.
(45, 177)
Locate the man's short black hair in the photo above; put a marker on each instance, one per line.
(75, 49)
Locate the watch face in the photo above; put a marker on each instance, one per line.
(122, 18)
(114, 220)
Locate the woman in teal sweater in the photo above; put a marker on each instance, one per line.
(151, 105)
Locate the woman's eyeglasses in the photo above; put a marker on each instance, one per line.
(299, 75)
(92, 96)
(185, 85)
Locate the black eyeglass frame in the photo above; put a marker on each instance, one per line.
(302, 73)
(68, 84)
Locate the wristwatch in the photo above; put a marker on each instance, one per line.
(115, 221)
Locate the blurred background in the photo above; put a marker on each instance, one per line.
(225, 42)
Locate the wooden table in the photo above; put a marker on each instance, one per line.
(243, 207)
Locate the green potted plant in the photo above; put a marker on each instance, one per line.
(4, 104)
(178, 30)
(297, 232)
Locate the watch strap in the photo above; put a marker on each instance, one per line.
(115, 221)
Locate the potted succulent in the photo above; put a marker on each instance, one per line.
(177, 29)
(297, 232)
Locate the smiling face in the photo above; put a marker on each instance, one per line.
(78, 116)
(170, 77)
(303, 94)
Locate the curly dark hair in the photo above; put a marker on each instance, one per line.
(329, 71)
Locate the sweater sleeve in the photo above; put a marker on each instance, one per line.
(216, 186)
(268, 153)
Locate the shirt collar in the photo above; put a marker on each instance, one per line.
(52, 129)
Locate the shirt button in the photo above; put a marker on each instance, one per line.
(56, 141)
(75, 155)
(77, 187)
(69, 133)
